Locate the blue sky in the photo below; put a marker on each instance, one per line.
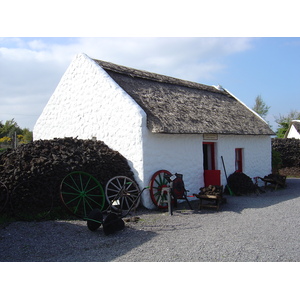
(31, 68)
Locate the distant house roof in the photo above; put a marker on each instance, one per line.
(178, 106)
(296, 124)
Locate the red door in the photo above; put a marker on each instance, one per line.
(211, 175)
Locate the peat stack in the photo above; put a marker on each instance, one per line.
(289, 151)
(49, 161)
(241, 184)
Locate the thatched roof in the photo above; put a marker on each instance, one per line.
(178, 106)
(296, 124)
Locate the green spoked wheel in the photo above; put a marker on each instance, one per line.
(157, 183)
(81, 192)
(122, 194)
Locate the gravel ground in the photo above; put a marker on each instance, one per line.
(256, 228)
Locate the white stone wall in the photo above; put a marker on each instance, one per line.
(87, 103)
(256, 154)
(184, 154)
(177, 153)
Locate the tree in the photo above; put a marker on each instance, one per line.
(10, 130)
(26, 136)
(260, 107)
(284, 122)
(5, 140)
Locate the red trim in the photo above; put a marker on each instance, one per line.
(239, 160)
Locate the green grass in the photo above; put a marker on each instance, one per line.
(57, 213)
(6, 218)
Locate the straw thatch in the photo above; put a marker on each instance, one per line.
(297, 125)
(177, 106)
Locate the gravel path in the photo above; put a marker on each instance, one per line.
(253, 228)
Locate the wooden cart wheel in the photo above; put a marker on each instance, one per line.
(3, 196)
(122, 194)
(81, 192)
(157, 183)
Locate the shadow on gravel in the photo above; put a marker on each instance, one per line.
(64, 241)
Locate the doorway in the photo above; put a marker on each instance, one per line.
(211, 175)
(208, 156)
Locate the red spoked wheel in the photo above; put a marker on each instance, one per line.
(157, 183)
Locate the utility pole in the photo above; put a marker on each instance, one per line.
(15, 140)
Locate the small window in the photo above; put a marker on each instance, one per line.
(239, 159)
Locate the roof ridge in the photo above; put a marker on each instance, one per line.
(156, 77)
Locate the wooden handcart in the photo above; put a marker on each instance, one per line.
(274, 180)
(211, 197)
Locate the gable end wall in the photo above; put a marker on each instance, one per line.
(88, 104)
(293, 133)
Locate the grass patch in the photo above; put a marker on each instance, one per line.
(6, 218)
(56, 213)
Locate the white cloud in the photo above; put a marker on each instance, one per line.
(30, 69)
(188, 58)
(37, 45)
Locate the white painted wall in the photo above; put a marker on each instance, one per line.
(257, 154)
(183, 154)
(177, 153)
(88, 103)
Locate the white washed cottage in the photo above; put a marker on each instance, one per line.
(158, 122)
(293, 130)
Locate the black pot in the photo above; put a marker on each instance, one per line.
(94, 219)
(112, 223)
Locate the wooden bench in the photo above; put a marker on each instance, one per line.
(210, 201)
